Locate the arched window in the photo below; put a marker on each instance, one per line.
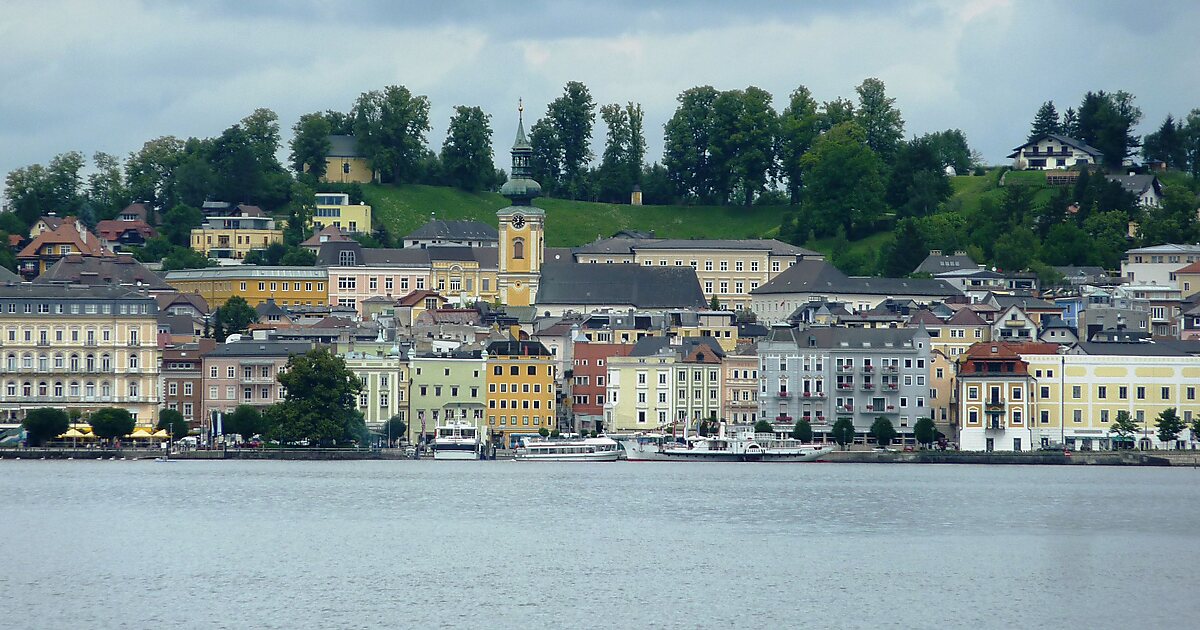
(74, 362)
(12, 362)
(11, 389)
(89, 363)
(58, 361)
(43, 363)
(346, 258)
(133, 361)
(27, 362)
(58, 390)
(518, 248)
(105, 390)
(133, 390)
(74, 390)
(89, 390)
(26, 389)
(105, 363)
(43, 389)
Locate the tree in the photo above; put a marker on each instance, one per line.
(546, 162)
(802, 431)
(544, 432)
(843, 431)
(883, 431)
(742, 144)
(173, 423)
(763, 426)
(321, 400)
(799, 126)
(1195, 428)
(390, 126)
(917, 184)
(1167, 144)
(394, 429)
(310, 144)
(687, 143)
(178, 223)
(467, 150)
(925, 431)
(843, 182)
(246, 421)
(106, 186)
(571, 117)
(150, 171)
(950, 148)
(1015, 250)
(1191, 142)
(236, 315)
(1045, 121)
(44, 424)
(834, 113)
(1124, 427)
(879, 118)
(1169, 425)
(906, 251)
(111, 422)
(186, 258)
(1106, 121)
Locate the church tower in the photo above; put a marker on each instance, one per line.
(522, 235)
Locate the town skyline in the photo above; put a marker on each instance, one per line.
(948, 65)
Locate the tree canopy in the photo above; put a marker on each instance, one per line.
(1169, 425)
(802, 431)
(43, 424)
(843, 431)
(173, 423)
(467, 151)
(321, 401)
(111, 422)
(883, 431)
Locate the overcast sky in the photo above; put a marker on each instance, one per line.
(107, 76)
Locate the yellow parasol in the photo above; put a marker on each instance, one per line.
(161, 434)
(139, 433)
(72, 433)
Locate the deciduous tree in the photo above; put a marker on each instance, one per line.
(802, 431)
(246, 421)
(321, 400)
(236, 315)
(883, 431)
(843, 183)
(799, 126)
(310, 144)
(879, 118)
(44, 424)
(1124, 427)
(467, 151)
(1169, 426)
(111, 422)
(390, 126)
(173, 423)
(925, 431)
(843, 431)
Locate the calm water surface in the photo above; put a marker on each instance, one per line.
(527, 545)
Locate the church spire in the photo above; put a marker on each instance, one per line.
(520, 187)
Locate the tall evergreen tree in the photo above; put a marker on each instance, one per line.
(879, 118)
(1167, 143)
(1045, 121)
(467, 150)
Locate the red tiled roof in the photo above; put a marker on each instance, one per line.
(112, 229)
(66, 234)
(1192, 268)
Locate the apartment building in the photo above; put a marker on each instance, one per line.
(824, 374)
(740, 385)
(287, 286)
(183, 379)
(520, 390)
(589, 373)
(78, 347)
(245, 373)
(1158, 264)
(445, 384)
(232, 236)
(335, 210)
(385, 380)
(665, 383)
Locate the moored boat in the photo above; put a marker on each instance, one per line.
(789, 450)
(662, 448)
(597, 449)
(458, 439)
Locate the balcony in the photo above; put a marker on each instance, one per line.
(783, 419)
(868, 386)
(891, 387)
(845, 369)
(890, 369)
(846, 408)
(90, 343)
(845, 385)
(868, 368)
(785, 394)
(43, 343)
(995, 424)
(993, 406)
(133, 343)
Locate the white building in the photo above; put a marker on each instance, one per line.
(1052, 151)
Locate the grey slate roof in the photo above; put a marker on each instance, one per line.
(1024, 302)
(625, 244)
(650, 346)
(343, 146)
(636, 285)
(1127, 349)
(102, 270)
(1071, 142)
(258, 348)
(819, 276)
(847, 338)
(455, 231)
(487, 257)
(941, 263)
(1137, 184)
(8, 276)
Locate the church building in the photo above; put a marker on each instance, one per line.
(522, 228)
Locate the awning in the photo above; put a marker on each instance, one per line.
(161, 434)
(140, 433)
(72, 433)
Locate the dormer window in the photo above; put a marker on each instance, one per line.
(346, 258)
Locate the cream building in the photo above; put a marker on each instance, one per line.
(80, 348)
(385, 385)
(232, 237)
(728, 270)
(740, 386)
(665, 383)
(1073, 398)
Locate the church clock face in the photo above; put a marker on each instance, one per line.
(518, 221)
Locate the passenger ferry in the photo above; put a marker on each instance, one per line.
(597, 449)
(789, 450)
(458, 439)
(657, 447)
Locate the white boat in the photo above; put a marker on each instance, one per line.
(597, 449)
(663, 448)
(789, 450)
(457, 439)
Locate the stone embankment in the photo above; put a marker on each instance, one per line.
(1043, 458)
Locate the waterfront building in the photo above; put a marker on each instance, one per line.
(665, 383)
(225, 235)
(245, 373)
(288, 286)
(438, 233)
(943, 392)
(335, 210)
(740, 385)
(183, 379)
(589, 371)
(1072, 396)
(444, 384)
(824, 374)
(953, 333)
(521, 394)
(522, 237)
(384, 377)
(79, 348)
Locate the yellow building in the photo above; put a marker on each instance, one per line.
(465, 274)
(288, 286)
(520, 390)
(78, 348)
(522, 229)
(667, 384)
(335, 209)
(234, 237)
(345, 164)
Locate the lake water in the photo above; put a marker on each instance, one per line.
(527, 545)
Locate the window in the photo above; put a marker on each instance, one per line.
(1102, 392)
(518, 248)
(347, 258)
(1076, 392)
(1166, 393)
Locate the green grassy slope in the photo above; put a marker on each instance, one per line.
(570, 223)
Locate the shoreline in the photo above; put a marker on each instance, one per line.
(1188, 458)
